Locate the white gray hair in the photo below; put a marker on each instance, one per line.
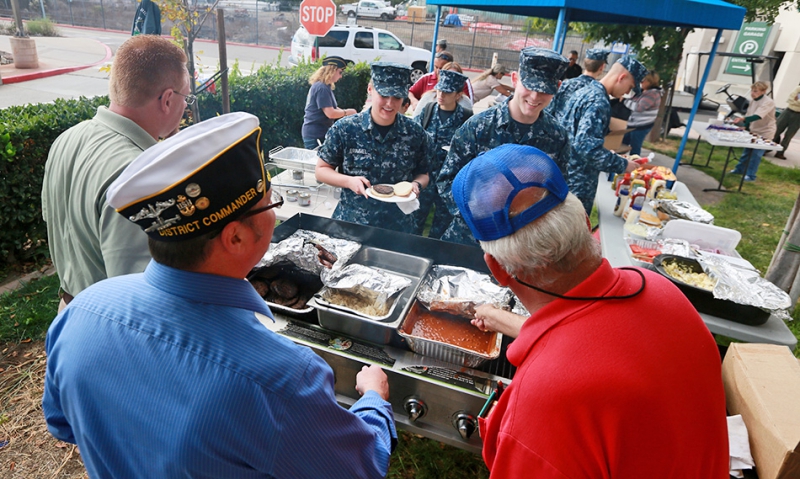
(545, 249)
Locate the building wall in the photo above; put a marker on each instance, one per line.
(784, 38)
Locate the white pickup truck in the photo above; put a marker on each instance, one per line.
(369, 8)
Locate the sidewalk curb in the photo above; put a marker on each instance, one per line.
(22, 77)
(20, 282)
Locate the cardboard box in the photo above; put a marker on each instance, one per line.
(617, 129)
(416, 14)
(762, 383)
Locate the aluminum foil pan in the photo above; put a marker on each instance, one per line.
(305, 248)
(458, 291)
(745, 286)
(442, 350)
(362, 290)
(684, 210)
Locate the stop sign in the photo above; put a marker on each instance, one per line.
(318, 16)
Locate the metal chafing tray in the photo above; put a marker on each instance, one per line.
(378, 330)
(293, 158)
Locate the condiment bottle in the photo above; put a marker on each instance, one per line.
(626, 180)
(637, 198)
(633, 215)
(621, 201)
(655, 187)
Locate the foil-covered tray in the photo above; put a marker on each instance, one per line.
(306, 249)
(457, 290)
(438, 341)
(381, 331)
(374, 288)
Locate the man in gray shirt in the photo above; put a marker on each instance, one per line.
(149, 90)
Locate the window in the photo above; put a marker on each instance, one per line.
(364, 40)
(334, 38)
(388, 42)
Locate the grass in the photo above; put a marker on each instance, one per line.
(26, 313)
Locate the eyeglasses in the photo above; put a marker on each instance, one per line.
(444, 56)
(277, 202)
(190, 99)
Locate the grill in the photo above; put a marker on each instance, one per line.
(429, 397)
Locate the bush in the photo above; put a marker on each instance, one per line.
(42, 28)
(277, 96)
(26, 134)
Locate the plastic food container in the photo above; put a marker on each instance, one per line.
(713, 239)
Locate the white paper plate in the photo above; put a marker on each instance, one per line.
(393, 199)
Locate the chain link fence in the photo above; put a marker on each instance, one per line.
(260, 23)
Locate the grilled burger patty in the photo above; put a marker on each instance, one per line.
(384, 191)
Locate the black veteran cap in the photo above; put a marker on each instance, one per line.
(195, 182)
(338, 62)
(541, 69)
(391, 79)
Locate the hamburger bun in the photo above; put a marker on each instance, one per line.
(649, 219)
(382, 191)
(402, 189)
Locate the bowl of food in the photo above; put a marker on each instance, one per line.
(698, 287)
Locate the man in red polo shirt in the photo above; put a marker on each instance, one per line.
(429, 80)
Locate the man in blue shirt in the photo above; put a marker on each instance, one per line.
(170, 373)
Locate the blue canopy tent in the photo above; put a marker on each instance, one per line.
(669, 13)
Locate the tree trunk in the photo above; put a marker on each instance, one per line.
(18, 18)
(188, 47)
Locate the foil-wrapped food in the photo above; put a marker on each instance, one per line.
(363, 290)
(684, 210)
(745, 286)
(310, 251)
(458, 291)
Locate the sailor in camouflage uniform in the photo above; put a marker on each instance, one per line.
(440, 119)
(594, 63)
(586, 118)
(519, 120)
(376, 146)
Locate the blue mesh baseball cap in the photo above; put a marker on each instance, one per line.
(486, 186)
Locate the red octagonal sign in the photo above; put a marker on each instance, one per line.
(318, 16)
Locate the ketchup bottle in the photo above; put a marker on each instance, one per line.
(625, 181)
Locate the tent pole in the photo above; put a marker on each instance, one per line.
(435, 36)
(697, 99)
(560, 30)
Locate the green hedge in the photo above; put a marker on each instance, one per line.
(26, 134)
(276, 95)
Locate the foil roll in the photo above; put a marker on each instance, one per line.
(459, 291)
(684, 210)
(301, 250)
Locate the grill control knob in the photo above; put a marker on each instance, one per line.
(464, 423)
(415, 408)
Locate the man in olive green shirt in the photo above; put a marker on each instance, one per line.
(88, 240)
